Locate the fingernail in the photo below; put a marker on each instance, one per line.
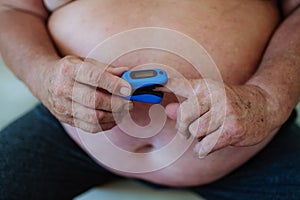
(200, 151)
(125, 91)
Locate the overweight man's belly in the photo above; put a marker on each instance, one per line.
(233, 32)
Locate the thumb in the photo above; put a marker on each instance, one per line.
(171, 110)
(117, 71)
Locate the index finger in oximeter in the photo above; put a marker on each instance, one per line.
(143, 82)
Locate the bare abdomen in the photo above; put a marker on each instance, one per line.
(234, 34)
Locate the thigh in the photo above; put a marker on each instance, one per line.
(38, 160)
(271, 174)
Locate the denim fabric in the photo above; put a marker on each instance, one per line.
(38, 160)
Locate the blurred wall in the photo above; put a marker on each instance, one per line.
(15, 98)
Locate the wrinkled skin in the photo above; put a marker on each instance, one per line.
(75, 96)
(239, 116)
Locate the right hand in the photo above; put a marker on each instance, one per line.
(79, 93)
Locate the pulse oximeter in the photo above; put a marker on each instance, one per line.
(143, 82)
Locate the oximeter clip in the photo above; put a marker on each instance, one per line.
(143, 83)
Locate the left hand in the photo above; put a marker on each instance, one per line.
(227, 115)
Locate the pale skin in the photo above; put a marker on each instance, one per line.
(251, 107)
(86, 106)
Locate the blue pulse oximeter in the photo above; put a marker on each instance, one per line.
(143, 82)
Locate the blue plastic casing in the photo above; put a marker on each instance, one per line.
(139, 79)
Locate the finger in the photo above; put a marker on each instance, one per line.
(171, 110)
(85, 126)
(99, 117)
(91, 128)
(183, 87)
(211, 143)
(91, 116)
(109, 68)
(95, 74)
(69, 109)
(118, 71)
(71, 62)
(205, 125)
(92, 98)
(107, 126)
(189, 111)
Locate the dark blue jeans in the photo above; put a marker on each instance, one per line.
(38, 160)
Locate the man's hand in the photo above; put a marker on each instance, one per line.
(79, 93)
(219, 115)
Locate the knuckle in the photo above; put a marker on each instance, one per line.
(66, 65)
(58, 90)
(65, 68)
(237, 128)
(234, 131)
(59, 108)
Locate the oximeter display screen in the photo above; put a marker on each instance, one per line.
(144, 82)
(143, 74)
